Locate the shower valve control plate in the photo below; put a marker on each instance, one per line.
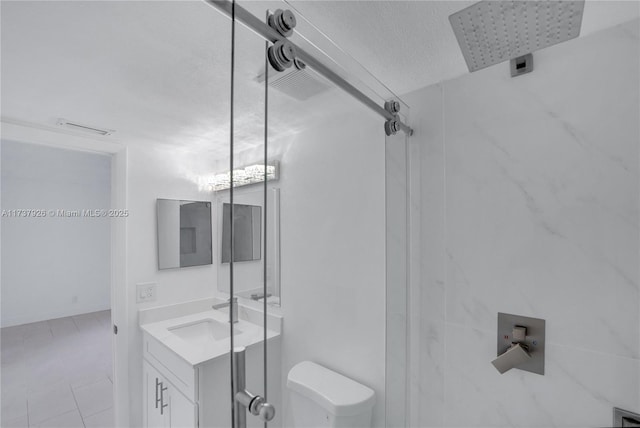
(534, 339)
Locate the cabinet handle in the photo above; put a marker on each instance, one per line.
(162, 405)
(158, 383)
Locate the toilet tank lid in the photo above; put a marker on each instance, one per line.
(337, 394)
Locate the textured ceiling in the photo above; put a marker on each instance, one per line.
(158, 71)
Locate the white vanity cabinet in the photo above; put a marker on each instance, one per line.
(165, 405)
(153, 416)
(198, 396)
(169, 394)
(186, 379)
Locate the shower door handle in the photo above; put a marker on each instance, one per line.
(245, 400)
(262, 409)
(257, 405)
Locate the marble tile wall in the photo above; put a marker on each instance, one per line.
(529, 202)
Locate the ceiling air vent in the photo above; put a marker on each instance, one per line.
(296, 81)
(75, 126)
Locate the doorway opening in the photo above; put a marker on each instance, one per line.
(57, 351)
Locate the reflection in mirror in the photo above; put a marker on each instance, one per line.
(249, 275)
(184, 233)
(247, 231)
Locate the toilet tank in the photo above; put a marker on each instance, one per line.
(322, 398)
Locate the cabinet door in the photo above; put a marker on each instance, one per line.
(154, 416)
(182, 413)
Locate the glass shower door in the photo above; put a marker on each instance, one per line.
(248, 217)
(398, 272)
(313, 268)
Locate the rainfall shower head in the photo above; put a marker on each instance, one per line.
(490, 32)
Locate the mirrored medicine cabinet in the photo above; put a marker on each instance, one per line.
(184, 233)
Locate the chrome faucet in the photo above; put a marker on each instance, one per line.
(232, 303)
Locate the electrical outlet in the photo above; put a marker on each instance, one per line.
(146, 292)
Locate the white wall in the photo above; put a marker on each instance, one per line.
(530, 199)
(333, 246)
(52, 266)
(157, 172)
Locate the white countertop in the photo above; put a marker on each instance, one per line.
(197, 352)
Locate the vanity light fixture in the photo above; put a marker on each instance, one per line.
(251, 174)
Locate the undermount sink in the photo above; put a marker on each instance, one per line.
(197, 333)
(207, 330)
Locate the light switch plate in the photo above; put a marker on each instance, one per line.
(146, 292)
(534, 340)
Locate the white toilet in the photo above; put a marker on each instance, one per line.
(321, 398)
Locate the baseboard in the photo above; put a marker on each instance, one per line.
(28, 319)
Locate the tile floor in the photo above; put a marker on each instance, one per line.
(57, 373)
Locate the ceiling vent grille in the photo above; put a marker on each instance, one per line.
(75, 126)
(297, 82)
